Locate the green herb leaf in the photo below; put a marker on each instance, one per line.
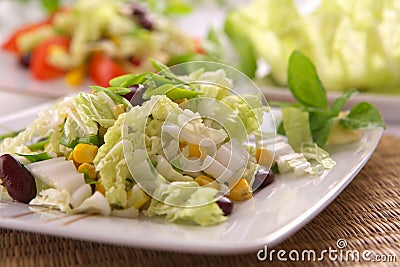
(321, 135)
(180, 93)
(87, 178)
(129, 79)
(39, 145)
(304, 83)
(91, 140)
(50, 5)
(7, 135)
(36, 157)
(119, 90)
(363, 116)
(172, 92)
(177, 7)
(340, 102)
(115, 97)
(162, 90)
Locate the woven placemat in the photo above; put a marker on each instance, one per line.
(366, 216)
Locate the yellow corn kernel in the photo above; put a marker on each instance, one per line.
(241, 191)
(194, 150)
(89, 169)
(203, 180)
(264, 157)
(84, 153)
(180, 101)
(182, 145)
(137, 197)
(75, 76)
(119, 109)
(71, 157)
(100, 188)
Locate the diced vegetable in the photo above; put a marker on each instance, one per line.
(264, 157)
(203, 180)
(89, 169)
(241, 191)
(40, 65)
(85, 153)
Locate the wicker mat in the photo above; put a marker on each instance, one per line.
(365, 215)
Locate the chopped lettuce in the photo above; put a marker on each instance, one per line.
(186, 202)
(351, 42)
(111, 164)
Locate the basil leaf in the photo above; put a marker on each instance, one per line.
(363, 116)
(340, 102)
(321, 135)
(318, 119)
(304, 83)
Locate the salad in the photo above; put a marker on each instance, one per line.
(184, 147)
(352, 43)
(101, 39)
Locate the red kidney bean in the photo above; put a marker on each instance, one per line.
(18, 181)
(138, 11)
(263, 178)
(226, 205)
(146, 23)
(133, 89)
(137, 98)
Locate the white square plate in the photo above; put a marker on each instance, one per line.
(274, 213)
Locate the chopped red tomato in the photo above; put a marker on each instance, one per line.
(197, 46)
(103, 68)
(39, 66)
(11, 45)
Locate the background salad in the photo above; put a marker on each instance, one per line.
(352, 43)
(99, 39)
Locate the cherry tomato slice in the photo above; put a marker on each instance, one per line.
(39, 67)
(103, 68)
(11, 45)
